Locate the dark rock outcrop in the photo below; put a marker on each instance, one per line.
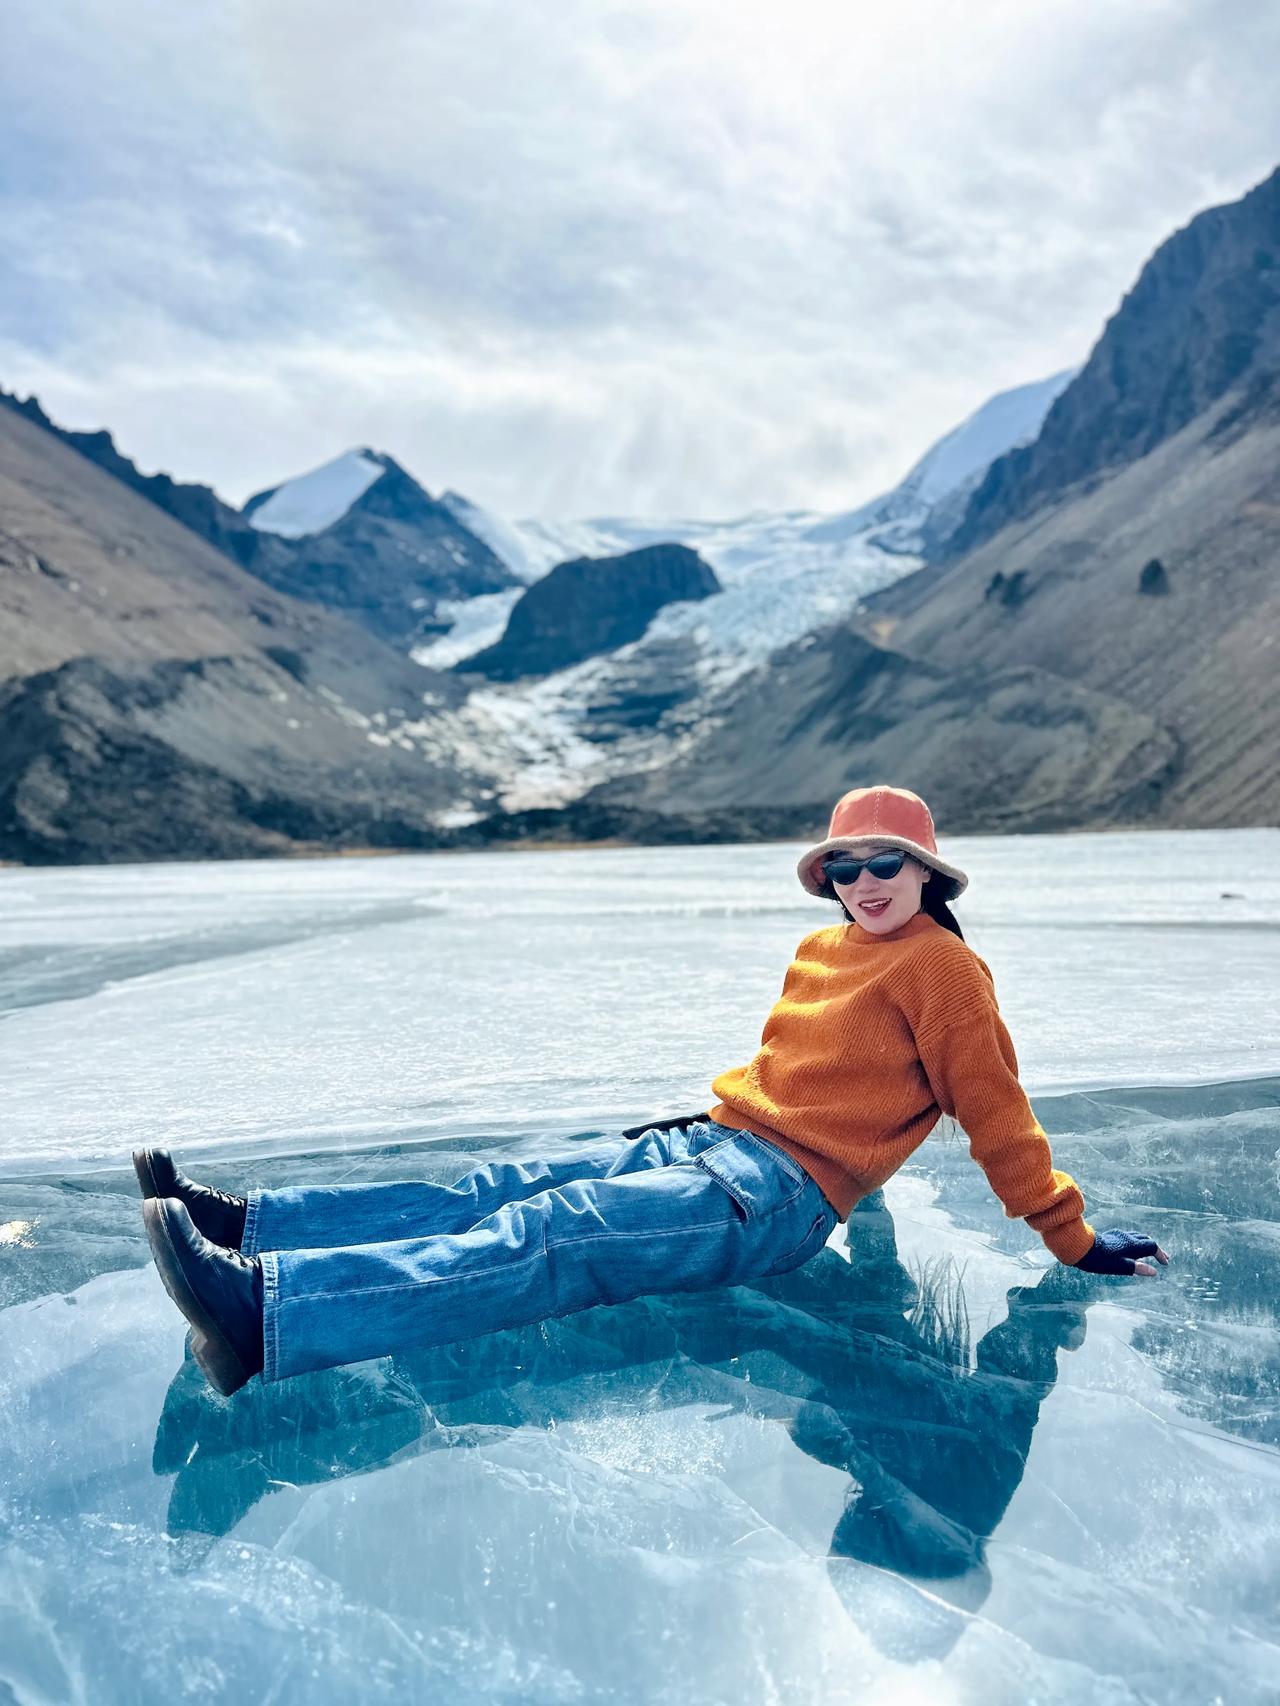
(589, 606)
(1154, 579)
(1009, 590)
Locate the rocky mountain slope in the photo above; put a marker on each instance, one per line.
(388, 556)
(1134, 548)
(991, 749)
(197, 507)
(157, 701)
(1159, 588)
(1202, 321)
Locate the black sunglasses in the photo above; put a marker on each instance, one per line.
(844, 868)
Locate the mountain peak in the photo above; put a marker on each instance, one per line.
(311, 502)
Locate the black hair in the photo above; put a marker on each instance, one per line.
(931, 901)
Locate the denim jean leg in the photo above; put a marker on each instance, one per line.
(588, 1241)
(327, 1217)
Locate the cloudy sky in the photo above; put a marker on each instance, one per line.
(659, 257)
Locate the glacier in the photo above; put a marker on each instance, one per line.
(785, 577)
(931, 1465)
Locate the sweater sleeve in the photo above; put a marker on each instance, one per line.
(972, 1069)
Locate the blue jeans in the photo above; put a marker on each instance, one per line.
(356, 1271)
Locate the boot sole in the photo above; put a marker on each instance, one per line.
(146, 1177)
(211, 1348)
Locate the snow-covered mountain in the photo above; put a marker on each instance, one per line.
(783, 572)
(506, 539)
(1006, 420)
(360, 535)
(441, 576)
(311, 502)
(736, 549)
(785, 577)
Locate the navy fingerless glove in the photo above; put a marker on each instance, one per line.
(1113, 1252)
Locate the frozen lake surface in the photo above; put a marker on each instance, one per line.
(933, 1464)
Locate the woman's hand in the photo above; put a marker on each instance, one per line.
(1113, 1253)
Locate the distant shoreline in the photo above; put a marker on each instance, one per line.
(539, 844)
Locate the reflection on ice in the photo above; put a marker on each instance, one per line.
(961, 1475)
(930, 1475)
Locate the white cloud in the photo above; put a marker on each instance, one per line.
(695, 256)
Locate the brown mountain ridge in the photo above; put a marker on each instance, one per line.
(157, 701)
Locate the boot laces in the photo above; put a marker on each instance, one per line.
(210, 1193)
(226, 1199)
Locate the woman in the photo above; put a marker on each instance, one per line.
(884, 1023)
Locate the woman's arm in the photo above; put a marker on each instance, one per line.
(972, 1069)
(969, 1059)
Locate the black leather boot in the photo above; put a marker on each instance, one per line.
(218, 1290)
(217, 1214)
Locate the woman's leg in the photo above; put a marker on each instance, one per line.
(726, 1211)
(326, 1217)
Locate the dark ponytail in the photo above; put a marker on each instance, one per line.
(931, 901)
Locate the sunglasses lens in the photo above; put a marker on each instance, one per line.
(883, 866)
(886, 864)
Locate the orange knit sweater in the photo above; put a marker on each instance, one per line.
(871, 1040)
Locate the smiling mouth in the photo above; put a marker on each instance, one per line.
(873, 905)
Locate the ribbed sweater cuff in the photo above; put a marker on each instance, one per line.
(1069, 1243)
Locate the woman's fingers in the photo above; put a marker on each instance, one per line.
(1147, 1247)
(1141, 1267)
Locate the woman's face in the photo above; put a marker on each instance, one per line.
(902, 893)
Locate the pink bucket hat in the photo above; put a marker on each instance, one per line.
(894, 816)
